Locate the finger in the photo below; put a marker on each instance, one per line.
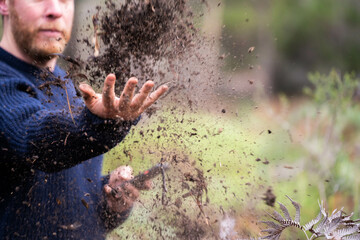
(124, 192)
(121, 200)
(108, 190)
(142, 95)
(112, 193)
(88, 93)
(127, 94)
(109, 91)
(153, 97)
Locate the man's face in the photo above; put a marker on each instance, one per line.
(41, 27)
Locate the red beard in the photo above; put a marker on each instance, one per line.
(33, 43)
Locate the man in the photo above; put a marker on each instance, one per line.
(52, 140)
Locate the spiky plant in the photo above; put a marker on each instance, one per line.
(336, 226)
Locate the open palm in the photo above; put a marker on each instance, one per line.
(128, 106)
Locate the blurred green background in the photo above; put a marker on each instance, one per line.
(285, 117)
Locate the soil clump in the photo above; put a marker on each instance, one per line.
(157, 40)
(138, 38)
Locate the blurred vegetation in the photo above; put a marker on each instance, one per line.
(311, 146)
(309, 143)
(301, 35)
(327, 149)
(338, 128)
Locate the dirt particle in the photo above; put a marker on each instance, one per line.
(266, 162)
(269, 198)
(251, 49)
(85, 203)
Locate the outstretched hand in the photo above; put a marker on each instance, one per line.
(126, 107)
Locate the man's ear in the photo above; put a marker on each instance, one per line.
(4, 7)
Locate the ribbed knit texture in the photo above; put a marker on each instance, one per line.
(50, 159)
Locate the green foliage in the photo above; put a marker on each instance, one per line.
(327, 152)
(301, 35)
(329, 147)
(318, 33)
(333, 90)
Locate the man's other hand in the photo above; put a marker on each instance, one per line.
(120, 194)
(128, 107)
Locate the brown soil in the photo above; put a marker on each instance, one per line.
(153, 39)
(139, 38)
(135, 37)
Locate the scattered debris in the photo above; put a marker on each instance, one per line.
(269, 198)
(83, 201)
(251, 49)
(72, 226)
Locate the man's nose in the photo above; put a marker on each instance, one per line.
(53, 9)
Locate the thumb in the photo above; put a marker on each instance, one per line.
(88, 93)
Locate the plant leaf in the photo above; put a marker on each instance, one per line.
(312, 223)
(352, 237)
(330, 227)
(273, 225)
(277, 217)
(321, 225)
(285, 211)
(335, 214)
(297, 207)
(345, 231)
(272, 237)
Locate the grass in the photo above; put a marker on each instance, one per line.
(304, 149)
(226, 147)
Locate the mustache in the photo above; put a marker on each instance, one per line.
(53, 27)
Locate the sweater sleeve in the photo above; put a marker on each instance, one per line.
(51, 140)
(110, 219)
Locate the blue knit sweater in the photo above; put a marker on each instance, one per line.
(50, 160)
